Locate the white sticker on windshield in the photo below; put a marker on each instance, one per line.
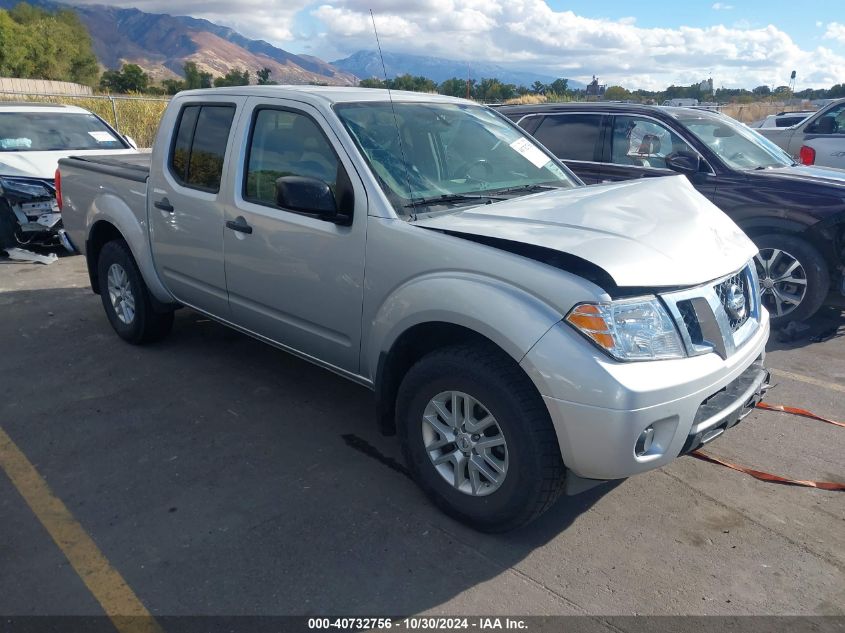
(531, 152)
(102, 137)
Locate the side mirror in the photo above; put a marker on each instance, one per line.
(306, 195)
(684, 163)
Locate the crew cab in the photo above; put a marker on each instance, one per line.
(523, 334)
(817, 140)
(795, 214)
(33, 137)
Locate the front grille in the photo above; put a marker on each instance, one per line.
(719, 316)
(687, 311)
(735, 298)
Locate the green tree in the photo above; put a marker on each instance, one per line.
(539, 88)
(263, 77)
(371, 82)
(38, 44)
(616, 93)
(194, 78)
(234, 77)
(559, 86)
(130, 78)
(762, 91)
(172, 86)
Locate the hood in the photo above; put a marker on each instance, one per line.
(43, 164)
(653, 232)
(803, 173)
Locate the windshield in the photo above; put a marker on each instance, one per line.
(52, 131)
(737, 145)
(453, 154)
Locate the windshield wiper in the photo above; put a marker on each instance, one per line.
(448, 198)
(524, 189)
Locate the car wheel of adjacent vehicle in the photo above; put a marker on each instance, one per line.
(126, 299)
(478, 438)
(794, 279)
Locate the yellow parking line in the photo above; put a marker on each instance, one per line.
(808, 379)
(126, 611)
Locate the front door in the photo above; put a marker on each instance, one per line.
(575, 138)
(292, 277)
(186, 213)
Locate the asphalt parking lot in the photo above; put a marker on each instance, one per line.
(219, 476)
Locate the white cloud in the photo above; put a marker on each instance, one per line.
(529, 34)
(721, 6)
(835, 31)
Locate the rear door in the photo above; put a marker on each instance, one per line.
(292, 277)
(575, 138)
(637, 146)
(186, 214)
(826, 136)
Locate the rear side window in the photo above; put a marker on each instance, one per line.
(571, 136)
(199, 146)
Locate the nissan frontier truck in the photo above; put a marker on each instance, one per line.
(524, 335)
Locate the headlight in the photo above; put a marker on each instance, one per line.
(629, 329)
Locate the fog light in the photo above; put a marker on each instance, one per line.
(644, 442)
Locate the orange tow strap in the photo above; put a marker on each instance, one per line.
(776, 479)
(796, 411)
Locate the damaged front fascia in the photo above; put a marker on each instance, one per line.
(39, 225)
(563, 261)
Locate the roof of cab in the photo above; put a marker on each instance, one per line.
(24, 106)
(322, 94)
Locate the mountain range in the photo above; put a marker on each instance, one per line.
(161, 44)
(366, 64)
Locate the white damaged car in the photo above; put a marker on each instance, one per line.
(33, 137)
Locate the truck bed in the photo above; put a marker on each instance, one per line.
(130, 166)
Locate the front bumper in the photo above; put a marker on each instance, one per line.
(600, 408)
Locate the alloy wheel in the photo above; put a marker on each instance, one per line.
(783, 281)
(465, 443)
(120, 294)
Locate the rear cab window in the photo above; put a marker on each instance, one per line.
(199, 145)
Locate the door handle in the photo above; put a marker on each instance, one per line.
(239, 224)
(164, 205)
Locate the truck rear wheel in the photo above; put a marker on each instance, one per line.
(478, 439)
(126, 298)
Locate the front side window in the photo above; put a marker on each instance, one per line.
(429, 155)
(286, 143)
(55, 131)
(643, 142)
(832, 122)
(199, 146)
(571, 136)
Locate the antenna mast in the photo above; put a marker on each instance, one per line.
(393, 109)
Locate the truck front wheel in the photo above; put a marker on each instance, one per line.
(478, 438)
(126, 299)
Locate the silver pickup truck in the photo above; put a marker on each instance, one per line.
(817, 140)
(524, 334)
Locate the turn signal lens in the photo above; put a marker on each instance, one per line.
(629, 329)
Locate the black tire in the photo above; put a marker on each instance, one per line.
(146, 325)
(815, 272)
(535, 474)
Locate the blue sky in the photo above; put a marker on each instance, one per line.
(796, 18)
(633, 44)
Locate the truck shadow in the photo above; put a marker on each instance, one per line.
(223, 477)
(827, 323)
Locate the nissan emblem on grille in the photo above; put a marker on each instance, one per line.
(733, 296)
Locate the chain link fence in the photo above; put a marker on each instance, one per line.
(133, 116)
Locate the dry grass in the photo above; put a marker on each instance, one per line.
(137, 117)
(750, 112)
(550, 97)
